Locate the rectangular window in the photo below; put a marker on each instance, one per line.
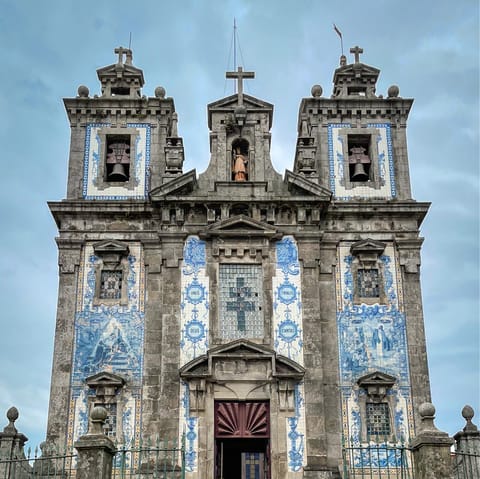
(110, 426)
(378, 419)
(111, 284)
(240, 301)
(368, 283)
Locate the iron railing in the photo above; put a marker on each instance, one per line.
(377, 461)
(466, 465)
(54, 465)
(157, 459)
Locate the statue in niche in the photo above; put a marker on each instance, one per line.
(239, 166)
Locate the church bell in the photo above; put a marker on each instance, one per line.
(118, 173)
(359, 173)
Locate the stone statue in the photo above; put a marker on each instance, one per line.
(239, 166)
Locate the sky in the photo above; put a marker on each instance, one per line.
(49, 48)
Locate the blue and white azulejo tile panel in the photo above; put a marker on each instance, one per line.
(371, 338)
(194, 305)
(296, 444)
(288, 338)
(287, 301)
(94, 186)
(338, 163)
(194, 313)
(108, 338)
(189, 428)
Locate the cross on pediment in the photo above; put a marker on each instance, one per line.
(240, 75)
(240, 294)
(120, 51)
(356, 51)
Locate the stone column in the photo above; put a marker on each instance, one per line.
(431, 448)
(467, 448)
(13, 463)
(95, 450)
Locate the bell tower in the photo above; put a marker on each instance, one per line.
(240, 140)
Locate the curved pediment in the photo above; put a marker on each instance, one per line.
(242, 226)
(236, 356)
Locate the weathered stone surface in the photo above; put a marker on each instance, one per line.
(240, 222)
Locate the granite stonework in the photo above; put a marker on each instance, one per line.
(185, 294)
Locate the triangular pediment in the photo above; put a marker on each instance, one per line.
(367, 246)
(240, 225)
(241, 349)
(300, 185)
(126, 71)
(182, 184)
(376, 378)
(230, 103)
(105, 378)
(354, 69)
(110, 246)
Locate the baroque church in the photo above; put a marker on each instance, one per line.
(267, 318)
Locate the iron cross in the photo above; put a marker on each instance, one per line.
(356, 51)
(240, 75)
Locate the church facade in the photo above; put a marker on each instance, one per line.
(269, 319)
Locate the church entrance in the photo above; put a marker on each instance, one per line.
(242, 433)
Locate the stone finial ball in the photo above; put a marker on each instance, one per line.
(160, 92)
(98, 413)
(427, 409)
(393, 91)
(12, 414)
(83, 91)
(468, 412)
(317, 91)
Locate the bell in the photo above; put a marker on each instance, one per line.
(359, 173)
(118, 173)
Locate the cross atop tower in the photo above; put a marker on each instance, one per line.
(120, 51)
(240, 75)
(356, 51)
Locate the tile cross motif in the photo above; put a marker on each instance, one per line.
(240, 293)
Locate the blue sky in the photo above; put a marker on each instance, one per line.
(429, 49)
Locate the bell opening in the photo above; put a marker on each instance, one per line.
(117, 159)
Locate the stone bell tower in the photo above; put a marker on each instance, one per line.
(123, 144)
(271, 319)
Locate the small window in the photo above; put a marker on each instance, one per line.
(378, 419)
(368, 281)
(357, 90)
(110, 426)
(111, 284)
(117, 159)
(119, 90)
